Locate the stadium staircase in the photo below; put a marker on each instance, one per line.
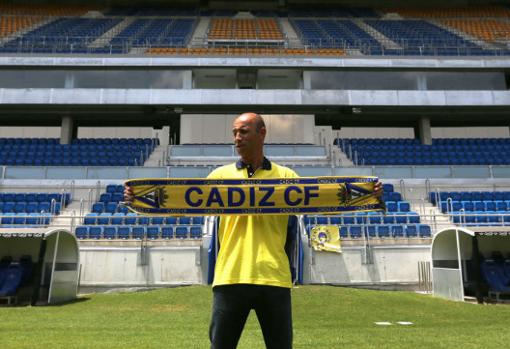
(198, 39)
(289, 32)
(107, 37)
(431, 215)
(386, 42)
(157, 157)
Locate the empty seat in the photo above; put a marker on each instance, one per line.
(138, 232)
(153, 232)
(82, 232)
(167, 232)
(123, 232)
(196, 232)
(95, 232)
(110, 232)
(181, 232)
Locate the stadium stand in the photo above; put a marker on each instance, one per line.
(422, 38)
(489, 30)
(398, 222)
(479, 11)
(12, 24)
(148, 32)
(497, 277)
(245, 51)
(63, 35)
(260, 29)
(82, 152)
(30, 209)
(443, 151)
(111, 220)
(330, 33)
(169, 31)
(474, 208)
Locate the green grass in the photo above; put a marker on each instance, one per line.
(324, 317)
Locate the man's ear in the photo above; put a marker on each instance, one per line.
(263, 131)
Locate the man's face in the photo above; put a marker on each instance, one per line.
(246, 138)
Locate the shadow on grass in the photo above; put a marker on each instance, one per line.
(73, 301)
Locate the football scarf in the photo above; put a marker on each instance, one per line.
(205, 197)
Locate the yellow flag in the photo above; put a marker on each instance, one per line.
(326, 238)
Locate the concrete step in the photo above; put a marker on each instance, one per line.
(290, 33)
(199, 38)
(157, 157)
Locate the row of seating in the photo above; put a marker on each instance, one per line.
(442, 151)
(372, 218)
(246, 51)
(30, 207)
(13, 274)
(151, 232)
(35, 197)
(158, 31)
(243, 29)
(497, 276)
(120, 218)
(25, 220)
(98, 141)
(383, 231)
(441, 196)
(480, 218)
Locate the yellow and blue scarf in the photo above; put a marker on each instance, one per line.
(204, 197)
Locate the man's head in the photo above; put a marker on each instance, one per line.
(249, 132)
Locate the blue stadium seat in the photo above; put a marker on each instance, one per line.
(167, 232)
(383, 231)
(153, 232)
(181, 232)
(110, 232)
(12, 278)
(411, 231)
(195, 232)
(184, 220)
(138, 232)
(95, 232)
(424, 231)
(124, 232)
(82, 232)
(355, 231)
(344, 233)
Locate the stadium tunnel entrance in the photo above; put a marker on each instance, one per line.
(465, 263)
(38, 266)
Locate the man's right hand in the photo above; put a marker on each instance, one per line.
(128, 194)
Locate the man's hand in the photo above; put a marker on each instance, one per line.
(128, 194)
(378, 189)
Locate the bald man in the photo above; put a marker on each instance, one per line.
(252, 269)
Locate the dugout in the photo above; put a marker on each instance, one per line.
(458, 252)
(53, 268)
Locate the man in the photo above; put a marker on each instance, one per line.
(252, 269)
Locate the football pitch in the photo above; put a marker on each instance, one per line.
(324, 317)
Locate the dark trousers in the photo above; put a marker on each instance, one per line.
(231, 306)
